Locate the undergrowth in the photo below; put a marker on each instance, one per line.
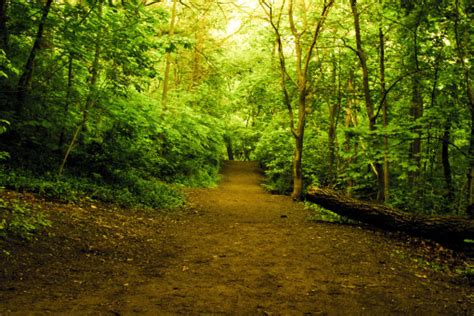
(127, 190)
(323, 215)
(20, 220)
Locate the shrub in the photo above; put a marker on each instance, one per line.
(129, 189)
(17, 219)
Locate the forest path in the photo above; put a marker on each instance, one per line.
(237, 250)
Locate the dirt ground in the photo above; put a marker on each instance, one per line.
(234, 250)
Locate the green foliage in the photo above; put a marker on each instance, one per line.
(323, 215)
(466, 272)
(227, 91)
(131, 156)
(17, 219)
(128, 191)
(277, 161)
(137, 192)
(3, 128)
(241, 139)
(6, 66)
(128, 151)
(177, 146)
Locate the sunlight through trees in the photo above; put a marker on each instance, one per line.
(373, 98)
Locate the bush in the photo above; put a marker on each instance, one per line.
(130, 190)
(130, 152)
(323, 215)
(277, 161)
(178, 146)
(20, 220)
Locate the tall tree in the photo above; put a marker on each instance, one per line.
(415, 15)
(25, 78)
(383, 92)
(92, 94)
(369, 104)
(462, 37)
(166, 79)
(3, 25)
(304, 52)
(334, 109)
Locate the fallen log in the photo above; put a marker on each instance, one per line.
(444, 229)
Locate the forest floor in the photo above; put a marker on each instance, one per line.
(235, 249)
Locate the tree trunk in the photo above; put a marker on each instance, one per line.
(166, 79)
(3, 25)
(385, 180)
(91, 96)
(470, 97)
(303, 59)
(416, 110)
(332, 143)
(449, 229)
(363, 65)
(68, 99)
(334, 109)
(448, 178)
(470, 174)
(350, 117)
(297, 169)
(26, 76)
(196, 73)
(229, 147)
(378, 169)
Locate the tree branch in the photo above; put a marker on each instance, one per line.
(283, 71)
(384, 96)
(319, 26)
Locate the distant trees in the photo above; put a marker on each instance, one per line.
(82, 83)
(407, 64)
(370, 97)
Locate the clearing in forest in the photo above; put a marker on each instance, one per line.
(235, 250)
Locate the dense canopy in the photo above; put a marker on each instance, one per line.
(127, 101)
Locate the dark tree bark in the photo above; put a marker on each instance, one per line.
(3, 25)
(461, 52)
(383, 92)
(70, 77)
(444, 229)
(91, 96)
(369, 105)
(448, 178)
(26, 76)
(229, 147)
(363, 65)
(416, 107)
(350, 118)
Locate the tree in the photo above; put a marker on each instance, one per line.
(377, 96)
(26, 76)
(164, 97)
(92, 95)
(305, 41)
(3, 25)
(461, 37)
(453, 229)
(415, 14)
(369, 105)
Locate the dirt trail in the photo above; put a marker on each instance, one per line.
(237, 250)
